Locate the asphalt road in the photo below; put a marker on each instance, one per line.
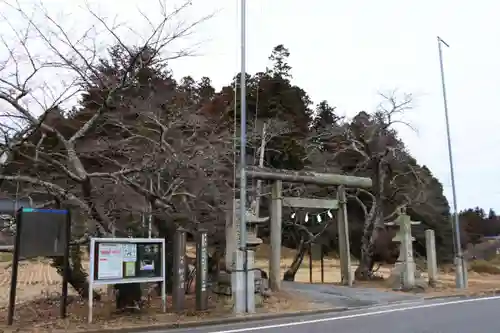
(479, 315)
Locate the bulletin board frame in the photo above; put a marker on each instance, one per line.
(118, 254)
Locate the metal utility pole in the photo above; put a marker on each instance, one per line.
(243, 130)
(459, 271)
(240, 286)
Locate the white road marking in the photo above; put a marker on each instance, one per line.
(357, 315)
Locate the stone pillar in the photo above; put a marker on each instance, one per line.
(275, 260)
(407, 250)
(178, 290)
(201, 271)
(430, 245)
(343, 233)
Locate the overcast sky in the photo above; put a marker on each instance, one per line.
(347, 51)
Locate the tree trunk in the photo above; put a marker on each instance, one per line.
(373, 224)
(297, 261)
(363, 272)
(365, 269)
(166, 230)
(77, 275)
(128, 296)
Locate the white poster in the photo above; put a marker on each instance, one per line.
(110, 265)
(129, 252)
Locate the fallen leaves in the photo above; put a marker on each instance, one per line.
(42, 314)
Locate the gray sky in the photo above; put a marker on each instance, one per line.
(347, 51)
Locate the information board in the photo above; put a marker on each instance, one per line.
(122, 261)
(126, 260)
(42, 232)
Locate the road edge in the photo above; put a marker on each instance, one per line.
(465, 294)
(220, 321)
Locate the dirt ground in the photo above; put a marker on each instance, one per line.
(42, 314)
(478, 283)
(37, 305)
(39, 286)
(38, 279)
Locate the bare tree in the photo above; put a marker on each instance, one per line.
(368, 146)
(84, 158)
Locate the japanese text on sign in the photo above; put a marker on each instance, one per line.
(110, 261)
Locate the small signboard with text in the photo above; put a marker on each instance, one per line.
(117, 261)
(126, 260)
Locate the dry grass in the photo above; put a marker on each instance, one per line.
(483, 275)
(34, 279)
(5, 257)
(479, 284)
(483, 266)
(331, 265)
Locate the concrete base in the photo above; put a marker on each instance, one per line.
(223, 285)
(396, 279)
(238, 283)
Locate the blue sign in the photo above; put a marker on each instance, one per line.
(50, 211)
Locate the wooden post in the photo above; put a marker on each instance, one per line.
(179, 292)
(343, 232)
(322, 258)
(201, 271)
(310, 263)
(275, 260)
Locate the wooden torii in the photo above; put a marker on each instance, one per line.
(277, 177)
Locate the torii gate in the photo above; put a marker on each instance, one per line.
(306, 177)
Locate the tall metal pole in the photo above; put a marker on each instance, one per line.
(460, 272)
(243, 129)
(241, 304)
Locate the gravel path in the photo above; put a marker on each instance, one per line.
(347, 297)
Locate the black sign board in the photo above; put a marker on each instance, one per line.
(41, 233)
(128, 260)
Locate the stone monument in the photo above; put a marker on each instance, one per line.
(228, 280)
(404, 275)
